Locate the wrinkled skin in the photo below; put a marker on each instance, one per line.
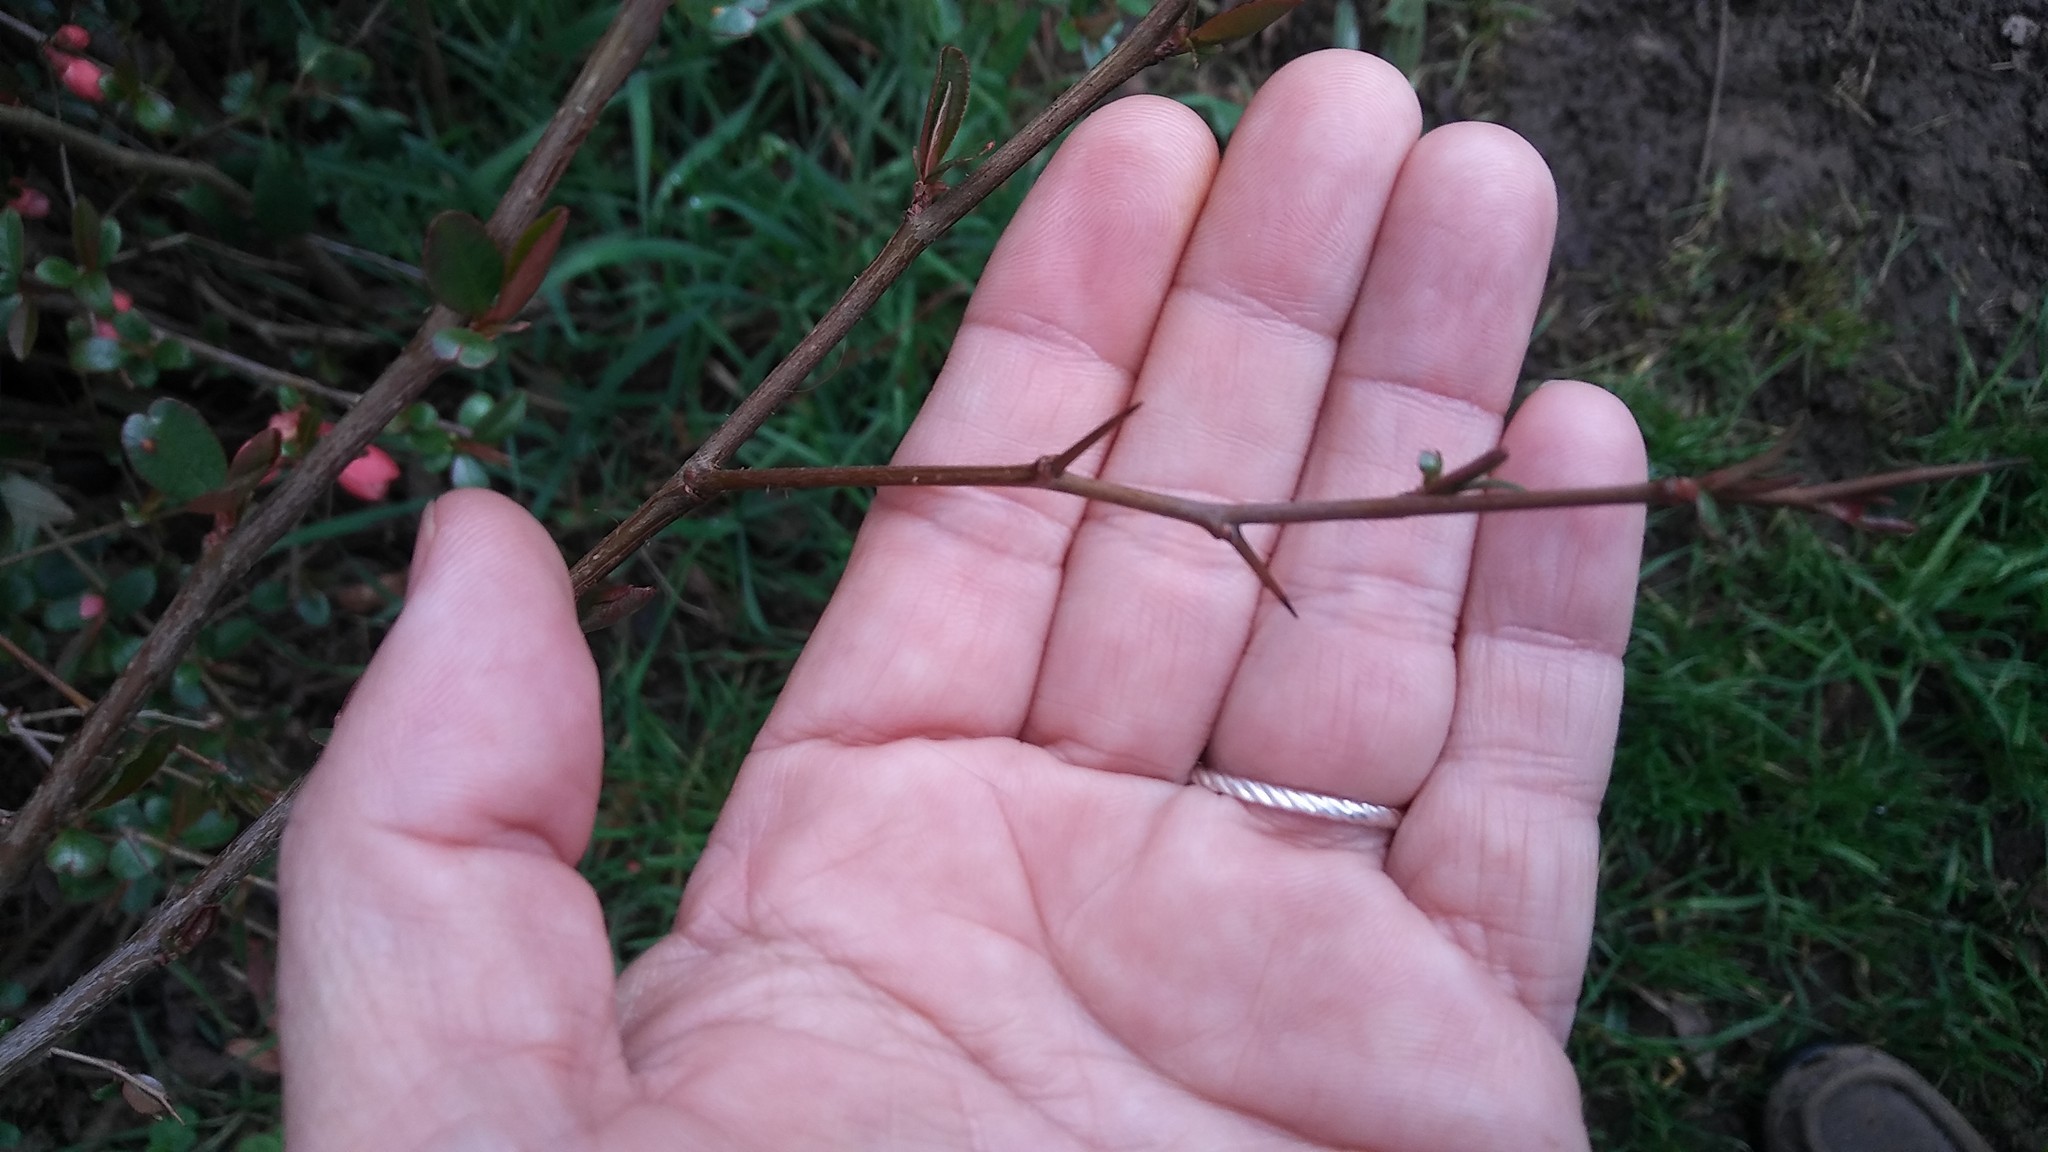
(961, 896)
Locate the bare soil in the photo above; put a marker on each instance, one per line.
(1913, 131)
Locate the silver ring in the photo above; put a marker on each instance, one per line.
(1295, 800)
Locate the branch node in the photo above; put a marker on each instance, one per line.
(1054, 467)
(1436, 482)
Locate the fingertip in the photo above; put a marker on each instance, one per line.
(1497, 175)
(1566, 573)
(477, 721)
(1579, 434)
(1336, 89)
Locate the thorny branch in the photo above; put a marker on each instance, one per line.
(1155, 38)
(79, 767)
(180, 923)
(1462, 490)
(177, 925)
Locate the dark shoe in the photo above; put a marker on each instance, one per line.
(1852, 1098)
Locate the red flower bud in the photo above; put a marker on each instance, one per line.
(123, 301)
(90, 605)
(81, 77)
(31, 203)
(369, 476)
(71, 38)
(105, 330)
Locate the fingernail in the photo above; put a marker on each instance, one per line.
(422, 545)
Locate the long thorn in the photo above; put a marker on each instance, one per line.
(1265, 574)
(1056, 466)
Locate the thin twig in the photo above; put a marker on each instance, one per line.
(63, 542)
(1452, 493)
(78, 769)
(78, 699)
(148, 1086)
(30, 122)
(274, 333)
(1699, 180)
(1151, 40)
(180, 852)
(173, 929)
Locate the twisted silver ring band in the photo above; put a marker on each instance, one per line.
(1295, 800)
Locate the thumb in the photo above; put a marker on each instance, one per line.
(437, 944)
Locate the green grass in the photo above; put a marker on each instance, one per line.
(1826, 820)
(1827, 811)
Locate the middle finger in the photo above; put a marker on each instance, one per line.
(1153, 613)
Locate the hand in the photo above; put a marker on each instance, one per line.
(961, 895)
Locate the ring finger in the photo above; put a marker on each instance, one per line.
(1354, 697)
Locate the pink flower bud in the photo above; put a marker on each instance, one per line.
(123, 301)
(91, 605)
(31, 203)
(81, 77)
(369, 476)
(105, 330)
(71, 38)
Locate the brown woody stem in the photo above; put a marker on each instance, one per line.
(171, 930)
(78, 767)
(1447, 494)
(1150, 41)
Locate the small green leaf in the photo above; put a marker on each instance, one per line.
(96, 354)
(31, 508)
(171, 355)
(173, 450)
(110, 240)
(133, 328)
(464, 347)
(314, 609)
(65, 615)
(232, 635)
(76, 852)
(270, 596)
(96, 292)
(131, 591)
(944, 109)
(187, 688)
(501, 420)
(210, 830)
(1241, 22)
(13, 251)
(283, 195)
(532, 254)
(467, 472)
(727, 22)
(131, 858)
(21, 329)
(138, 768)
(474, 408)
(155, 113)
(57, 272)
(463, 266)
(85, 234)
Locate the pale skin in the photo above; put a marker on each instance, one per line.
(961, 896)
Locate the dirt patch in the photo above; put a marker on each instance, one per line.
(1911, 134)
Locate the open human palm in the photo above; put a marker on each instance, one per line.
(962, 895)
